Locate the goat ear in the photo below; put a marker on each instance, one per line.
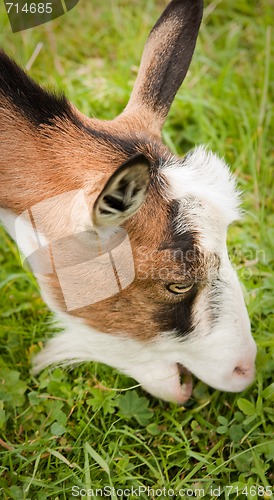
(166, 59)
(123, 194)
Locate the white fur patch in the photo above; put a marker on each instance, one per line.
(207, 193)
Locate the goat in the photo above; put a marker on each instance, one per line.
(127, 241)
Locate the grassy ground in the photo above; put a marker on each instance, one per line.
(83, 428)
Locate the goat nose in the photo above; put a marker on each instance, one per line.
(244, 369)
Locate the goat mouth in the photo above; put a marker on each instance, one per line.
(187, 383)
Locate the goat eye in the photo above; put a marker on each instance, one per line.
(179, 288)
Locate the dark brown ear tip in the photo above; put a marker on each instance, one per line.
(198, 6)
(165, 61)
(187, 10)
(193, 4)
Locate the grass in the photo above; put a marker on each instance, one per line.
(85, 428)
